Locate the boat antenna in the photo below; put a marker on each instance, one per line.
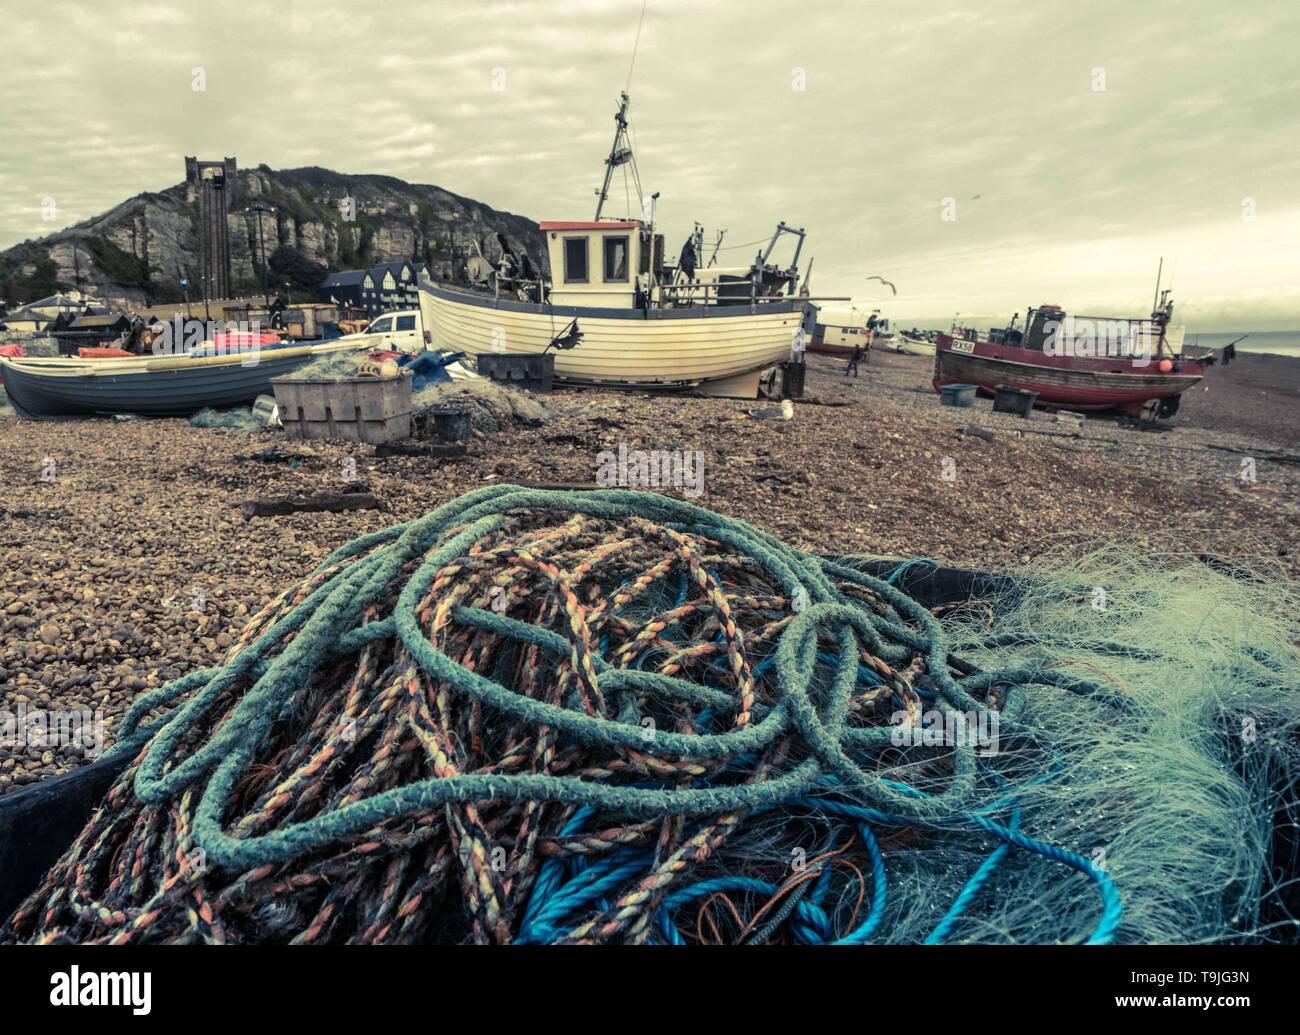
(716, 245)
(1155, 301)
(620, 152)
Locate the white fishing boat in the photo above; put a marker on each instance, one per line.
(836, 332)
(616, 315)
(914, 345)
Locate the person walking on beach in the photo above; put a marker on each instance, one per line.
(854, 356)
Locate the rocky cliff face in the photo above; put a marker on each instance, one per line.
(138, 252)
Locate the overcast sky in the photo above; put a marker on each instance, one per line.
(1074, 141)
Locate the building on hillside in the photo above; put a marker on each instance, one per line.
(397, 283)
(197, 309)
(27, 321)
(67, 302)
(355, 288)
(380, 289)
(74, 332)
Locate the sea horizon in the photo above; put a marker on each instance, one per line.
(1277, 342)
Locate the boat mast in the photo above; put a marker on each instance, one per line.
(1159, 314)
(619, 153)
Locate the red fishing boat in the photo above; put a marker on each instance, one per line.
(1135, 367)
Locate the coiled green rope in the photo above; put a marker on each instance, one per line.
(336, 608)
(803, 718)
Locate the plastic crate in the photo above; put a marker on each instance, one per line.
(530, 371)
(1017, 401)
(375, 410)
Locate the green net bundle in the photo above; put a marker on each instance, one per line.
(556, 717)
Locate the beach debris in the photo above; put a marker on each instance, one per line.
(443, 451)
(267, 411)
(975, 431)
(1259, 453)
(1071, 421)
(430, 367)
(565, 486)
(372, 367)
(356, 496)
(273, 455)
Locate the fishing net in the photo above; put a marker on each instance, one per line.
(238, 419)
(332, 365)
(614, 717)
(492, 408)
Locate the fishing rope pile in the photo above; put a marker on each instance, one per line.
(551, 717)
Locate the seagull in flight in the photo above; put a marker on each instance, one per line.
(887, 283)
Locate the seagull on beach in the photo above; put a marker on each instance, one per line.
(887, 283)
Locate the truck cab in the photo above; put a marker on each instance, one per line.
(398, 331)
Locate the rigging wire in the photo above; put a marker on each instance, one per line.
(746, 244)
(636, 170)
(632, 63)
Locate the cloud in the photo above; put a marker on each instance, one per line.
(853, 119)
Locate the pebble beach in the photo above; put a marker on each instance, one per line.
(128, 561)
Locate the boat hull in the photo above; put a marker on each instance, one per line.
(821, 348)
(1077, 383)
(912, 347)
(620, 348)
(53, 389)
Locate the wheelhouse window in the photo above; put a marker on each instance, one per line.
(575, 260)
(616, 258)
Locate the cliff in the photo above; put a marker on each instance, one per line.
(137, 252)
